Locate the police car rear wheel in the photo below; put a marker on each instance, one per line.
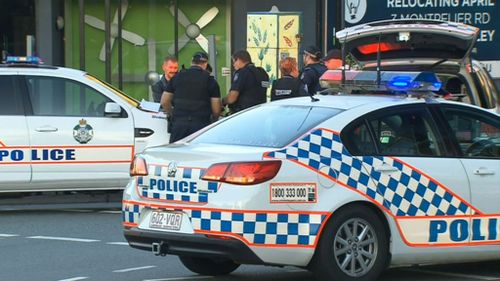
(353, 246)
(209, 266)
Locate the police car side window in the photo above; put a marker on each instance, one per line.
(477, 135)
(405, 133)
(10, 102)
(52, 96)
(358, 140)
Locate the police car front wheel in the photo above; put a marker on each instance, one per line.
(353, 246)
(209, 266)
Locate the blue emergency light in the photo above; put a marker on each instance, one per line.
(389, 82)
(23, 60)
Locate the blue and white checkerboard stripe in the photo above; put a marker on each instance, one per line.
(257, 228)
(404, 193)
(183, 173)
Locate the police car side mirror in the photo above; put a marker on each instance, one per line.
(112, 110)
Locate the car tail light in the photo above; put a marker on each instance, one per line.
(138, 167)
(243, 173)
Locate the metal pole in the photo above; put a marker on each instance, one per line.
(176, 28)
(81, 5)
(342, 14)
(107, 42)
(212, 53)
(120, 51)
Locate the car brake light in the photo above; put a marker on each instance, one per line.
(243, 173)
(138, 167)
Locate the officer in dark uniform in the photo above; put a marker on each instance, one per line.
(249, 84)
(170, 67)
(196, 96)
(313, 69)
(288, 86)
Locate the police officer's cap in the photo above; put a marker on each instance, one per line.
(313, 51)
(201, 57)
(333, 54)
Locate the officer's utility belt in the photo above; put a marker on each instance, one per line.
(191, 118)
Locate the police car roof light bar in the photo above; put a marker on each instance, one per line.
(391, 82)
(23, 60)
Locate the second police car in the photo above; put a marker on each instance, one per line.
(63, 129)
(345, 186)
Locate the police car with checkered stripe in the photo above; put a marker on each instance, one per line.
(381, 174)
(64, 129)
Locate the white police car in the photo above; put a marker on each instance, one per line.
(63, 129)
(343, 185)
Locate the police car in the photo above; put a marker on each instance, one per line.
(64, 129)
(446, 48)
(344, 185)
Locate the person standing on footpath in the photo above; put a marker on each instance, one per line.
(170, 67)
(196, 96)
(249, 86)
(313, 69)
(288, 86)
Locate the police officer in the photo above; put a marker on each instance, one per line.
(196, 96)
(288, 86)
(249, 84)
(313, 69)
(170, 67)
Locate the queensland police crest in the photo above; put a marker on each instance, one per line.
(83, 132)
(172, 169)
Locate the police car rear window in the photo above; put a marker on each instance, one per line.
(267, 126)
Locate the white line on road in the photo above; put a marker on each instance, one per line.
(8, 235)
(118, 243)
(74, 279)
(181, 278)
(450, 274)
(134, 268)
(63, 239)
(110, 212)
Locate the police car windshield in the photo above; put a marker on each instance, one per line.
(267, 126)
(130, 100)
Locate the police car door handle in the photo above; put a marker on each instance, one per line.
(484, 172)
(385, 168)
(46, 129)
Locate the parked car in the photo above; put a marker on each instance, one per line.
(64, 129)
(344, 185)
(444, 48)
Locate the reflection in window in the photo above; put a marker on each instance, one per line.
(477, 136)
(52, 96)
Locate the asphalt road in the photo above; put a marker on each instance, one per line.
(87, 244)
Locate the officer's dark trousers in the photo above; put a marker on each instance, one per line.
(185, 126)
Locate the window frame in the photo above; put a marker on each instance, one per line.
(29, 104)
(447, 130)
(377, 114)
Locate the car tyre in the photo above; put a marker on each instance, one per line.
(354, 246)
(209, 266)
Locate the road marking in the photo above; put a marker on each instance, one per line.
(133, 268)
(181, 278)
(64, 239)
(459, 275)
(74, 279)
(8, 235)
(110, 212)
(118, 243)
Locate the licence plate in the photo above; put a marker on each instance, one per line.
(165, 220)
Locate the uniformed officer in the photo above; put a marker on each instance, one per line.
(249, 84)
(333, 59)
(313, 69)
(288, 86)
(170, 67)
(196, 96)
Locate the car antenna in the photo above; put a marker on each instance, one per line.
(379, 78)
